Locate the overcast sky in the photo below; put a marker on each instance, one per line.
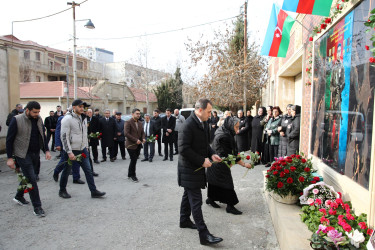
(116, 19)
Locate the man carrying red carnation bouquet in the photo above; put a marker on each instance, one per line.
(76, 148)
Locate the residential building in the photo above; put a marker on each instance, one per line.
(40, 63)
(337, 99)
(96, 54)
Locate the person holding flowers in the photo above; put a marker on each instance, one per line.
(75, 143)
(149, 128)
(195, 152)
(219, 177)
(25, 138)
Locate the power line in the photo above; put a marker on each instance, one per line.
(38, 18)
(161, 32)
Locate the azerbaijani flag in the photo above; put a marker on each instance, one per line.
(277, 38)
(313, 7)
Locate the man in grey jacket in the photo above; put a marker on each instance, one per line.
(180, 119)
(75, 142)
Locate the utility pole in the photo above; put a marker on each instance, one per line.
(67, 81)
(245, 58)
(73, 4)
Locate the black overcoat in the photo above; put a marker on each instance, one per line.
(165, 124)
(108, 130)
(193, 148)
(242, 137)
(292, 132)
(257, 134)
(283, 143)
(93, 127)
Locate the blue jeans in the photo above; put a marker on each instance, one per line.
(85, 165)
(27, 165)
(60, 166)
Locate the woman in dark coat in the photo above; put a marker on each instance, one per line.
(219, 177)
(257, 131)
(285, 121)
(249, 118)
(241, 136)
(292, 131)
(273, 134)
(213, 125)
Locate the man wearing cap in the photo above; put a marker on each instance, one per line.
(75, 142)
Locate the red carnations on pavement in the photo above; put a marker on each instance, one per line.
(372, 60)
(367, 47)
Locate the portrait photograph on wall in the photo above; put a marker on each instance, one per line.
(343, 97)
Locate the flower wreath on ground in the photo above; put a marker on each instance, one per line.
(290, 175)
(332, 221)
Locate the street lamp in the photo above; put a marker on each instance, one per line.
(88, 25)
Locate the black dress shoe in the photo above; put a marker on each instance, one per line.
(161, 155)
(95, 174)
(96, 161)
(212, 203)
(56, 177)
(150, 160)
(165, 159)
(124, 158)
(176, 153)
(112, 160)
(64, 194)
(103, 160)
(97, 194)
(188, 224)
(267, 165)
(209, 239)
(145, 159)
(171, 159)
(79, 181)
(233, 210)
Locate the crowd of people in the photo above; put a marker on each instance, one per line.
(201, 141)
(271, 132)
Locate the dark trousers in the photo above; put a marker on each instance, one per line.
(170, 144)
(159, 141)
(104, 152)
(146, 146)
(94, 150)
(191, 203)
(61, 165)
(49, 134)
(133, 153)
(266, 153)
(273, 152)
(37, 167)
(85, 165)
(27, 166)
(175, 141)
(120, 144)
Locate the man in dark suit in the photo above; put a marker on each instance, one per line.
(93, 127)
(135, 136)
(168, 124)
(149, 128)
(157, 121)
(120, 137)
(194, 153)
(50, 124)
(107, 126)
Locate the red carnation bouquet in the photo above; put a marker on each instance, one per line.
(231, 160)
(24, 185)
(290, 175)
(96, 135)
(78, 158)
(152, 138)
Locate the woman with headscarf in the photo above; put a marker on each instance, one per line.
(219, 177)
(257, 131)
(292, 131)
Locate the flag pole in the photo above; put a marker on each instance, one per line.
(301, 25)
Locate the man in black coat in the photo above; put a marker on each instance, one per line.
(157, 121)
(93, 127)
(108, 128)
(242, 137)
(13, 113)
(50, 124)
(195, 151)
(149, 128)
(168, 124)
(120, 137)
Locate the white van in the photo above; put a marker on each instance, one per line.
(186, 112)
